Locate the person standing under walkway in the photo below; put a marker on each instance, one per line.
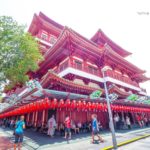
(51, 126)
(12, 122)
(67, 123)
(146, 120)
(116, 121)
(20, 126)
(95, 129)
(128, 122)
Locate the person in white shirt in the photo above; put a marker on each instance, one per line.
(51, 126)
(128, 122)
(79, 125)
(116, 121)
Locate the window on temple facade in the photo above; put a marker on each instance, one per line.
(63, 66)
(78, 64)
(44, 36)
(52, 39)
(92, 70)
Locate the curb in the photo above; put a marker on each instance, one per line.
(127, 142)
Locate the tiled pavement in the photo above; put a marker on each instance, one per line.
(5, 143)
(38, 141)
(142, 144)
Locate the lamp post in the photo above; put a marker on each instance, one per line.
(109, 109)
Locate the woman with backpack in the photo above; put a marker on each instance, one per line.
(20, 126)
(95, 129)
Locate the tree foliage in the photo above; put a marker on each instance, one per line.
(19, 52)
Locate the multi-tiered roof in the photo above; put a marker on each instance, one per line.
(100, 48)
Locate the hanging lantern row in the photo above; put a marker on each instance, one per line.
(70, 105)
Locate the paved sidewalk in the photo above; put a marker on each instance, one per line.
(5, 143)
(139, 145)
(38, 141)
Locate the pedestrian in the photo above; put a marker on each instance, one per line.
(100, 126)
(138, 118)
(116, 121)
(128, 122)
(19, 127)
(51, 126)
(146, 121)
(12, 122)
(67, 123)
(142, 121)
(61, 129)
(95, 129)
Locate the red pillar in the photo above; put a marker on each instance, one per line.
(43, 117)
(36, 116)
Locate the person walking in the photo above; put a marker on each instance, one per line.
(139, 120)
(95, 129)
(51, 126)
(67, 123)
(146, 121)
(128, 122)
(19, 127)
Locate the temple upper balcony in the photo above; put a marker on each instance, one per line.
(79, 68)
(123, 78)
(45, 39)
(90, 71)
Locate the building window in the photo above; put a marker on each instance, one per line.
(63, 66)
(78, 64)
(92, 70)
(44, 36)
(52, 40)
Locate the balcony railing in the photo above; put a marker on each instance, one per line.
(120, 77)
(96, 72)
(81, 67)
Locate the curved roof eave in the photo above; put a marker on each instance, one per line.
(52, 75)
(42, 15)
(69, 33)
(34, 19)
(45, 21)
(119, 49)
(112, 54)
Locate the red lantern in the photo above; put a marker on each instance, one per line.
(79, 105)
(34, 106)
(68, 103)
(46, 103)
(43, 104)
(96, 106)
(88, 106)
(73, 104)
(83, 105)
(99, 106)
(61, 104)
(37, 104)
(54, 103)
(93, 106)
(104, 107)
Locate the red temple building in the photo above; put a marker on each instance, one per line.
(71, 72)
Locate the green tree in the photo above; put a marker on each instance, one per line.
(19, 52)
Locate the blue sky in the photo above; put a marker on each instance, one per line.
(127, 22)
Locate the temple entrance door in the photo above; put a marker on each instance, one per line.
(51, 112)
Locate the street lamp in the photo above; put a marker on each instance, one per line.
(109, 108)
